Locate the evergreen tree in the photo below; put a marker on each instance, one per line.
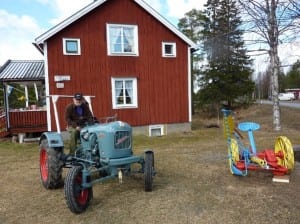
(227, 75)
(191, 26)
(293, 76)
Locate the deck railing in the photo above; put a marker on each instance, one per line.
(3, 130)
(27, 121)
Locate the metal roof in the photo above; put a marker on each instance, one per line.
(22, 70)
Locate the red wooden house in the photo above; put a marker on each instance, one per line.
(127, 59)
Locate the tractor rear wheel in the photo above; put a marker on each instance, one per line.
(77, 197)
(50, 166)
(148, 170)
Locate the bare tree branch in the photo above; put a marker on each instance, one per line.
(275, 22)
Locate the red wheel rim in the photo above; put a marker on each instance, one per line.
(44, 164)
(81, 194)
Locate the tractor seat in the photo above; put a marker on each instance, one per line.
(248, 126)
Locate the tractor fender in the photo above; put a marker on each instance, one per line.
(148, 151)
(54, 139)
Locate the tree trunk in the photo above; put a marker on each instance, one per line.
(274, 85)
(275, 63)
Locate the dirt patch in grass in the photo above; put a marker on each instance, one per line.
(193, 182)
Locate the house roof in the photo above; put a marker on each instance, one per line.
(22, 70)
(42, 38)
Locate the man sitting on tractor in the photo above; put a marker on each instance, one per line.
(77, 114)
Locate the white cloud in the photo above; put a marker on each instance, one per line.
(155, 4)
(19, 31)
(177, 8)
(64, 9)
(173, 10)
(17, 34)
(289, 54)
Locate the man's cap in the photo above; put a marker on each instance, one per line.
(78, 96)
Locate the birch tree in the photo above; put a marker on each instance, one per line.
(274, 22)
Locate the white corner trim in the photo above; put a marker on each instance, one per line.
(189, 83)
(48, 103)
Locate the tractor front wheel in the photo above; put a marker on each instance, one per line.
(148, 170)
(50, 166)
(76, 196)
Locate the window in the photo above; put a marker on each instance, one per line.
(71, 46)
(122, 40)
(156, 130)
(124, 92)
(168, 49)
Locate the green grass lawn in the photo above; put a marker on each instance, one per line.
(193, 182)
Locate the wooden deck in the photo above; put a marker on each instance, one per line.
(27, 121)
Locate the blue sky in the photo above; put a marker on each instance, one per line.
(21, 21)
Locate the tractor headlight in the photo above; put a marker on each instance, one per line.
(85, 135)
(94, 144)
(94, 151)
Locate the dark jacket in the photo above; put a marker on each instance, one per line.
(74, 120)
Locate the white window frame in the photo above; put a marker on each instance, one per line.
(134, 104)
(157, 127)
(168, 55)
(65, 40)
(135, 51)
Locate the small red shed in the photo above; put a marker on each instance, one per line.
(128, 59)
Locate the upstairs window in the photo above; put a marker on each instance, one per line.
(124, 93)
(122, 40)
(168, 49)
(71, 46)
